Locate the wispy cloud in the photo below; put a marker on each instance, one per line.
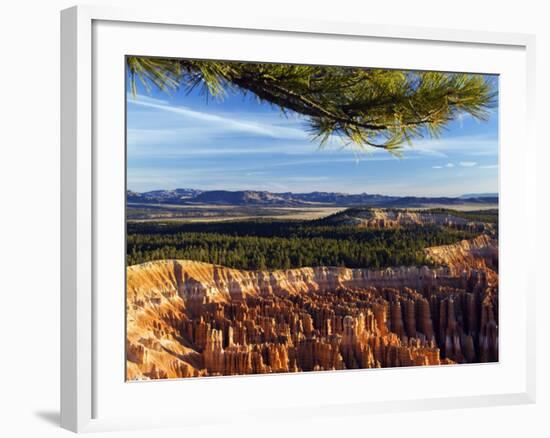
(130, 98)
(460, 163)
(218, 122)
(323, 159)
(444, 166)
(473, 145)
(489, 166)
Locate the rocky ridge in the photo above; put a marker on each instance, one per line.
(387, 218)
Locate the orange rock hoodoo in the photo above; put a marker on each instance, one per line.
(189, 319)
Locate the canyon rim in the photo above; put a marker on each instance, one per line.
(291, 218)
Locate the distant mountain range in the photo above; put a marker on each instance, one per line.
(288, 199)
(479, 195)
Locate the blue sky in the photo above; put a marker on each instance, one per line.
(181, 140)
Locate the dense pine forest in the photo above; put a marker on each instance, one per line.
(268, 244)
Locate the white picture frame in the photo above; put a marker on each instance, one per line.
(82, 191)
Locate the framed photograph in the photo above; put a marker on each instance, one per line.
(282, 218)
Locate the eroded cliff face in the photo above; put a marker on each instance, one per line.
(479, 253)
(384, 218)
(187, 318)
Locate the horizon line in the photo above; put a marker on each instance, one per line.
(472, 194)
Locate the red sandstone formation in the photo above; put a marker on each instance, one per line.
(387, 218)
(190, 319)
(479, 253)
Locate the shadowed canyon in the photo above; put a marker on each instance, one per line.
(188, 318)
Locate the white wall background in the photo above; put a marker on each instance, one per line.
(29, 218)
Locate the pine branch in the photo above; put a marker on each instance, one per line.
(362, 104)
